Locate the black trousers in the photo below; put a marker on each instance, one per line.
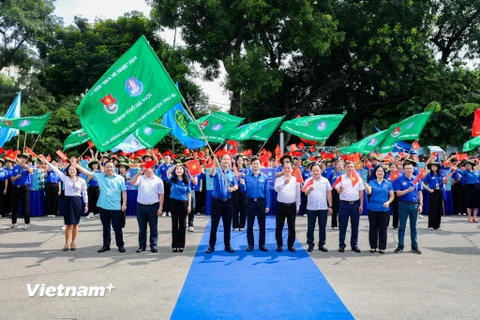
(285, 210)
(221, 209)
(394, 205)
(167, 189)
(377, 231)
(93, 194)
(21, 195)
(113, 218)
(335, 205)
(256, 208)
(3, 213)
(7, 199)
(459, 198)
(313, 217)
(191, 215)
(303, 203)
(435, 208)
(179, 219)
(51, 193)
(199, 201)
(239, 209)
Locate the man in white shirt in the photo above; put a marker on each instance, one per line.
(351, 190)
(319, 203)
(149, 206)
(288, 205)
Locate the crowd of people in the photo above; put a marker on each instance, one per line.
(315, 187)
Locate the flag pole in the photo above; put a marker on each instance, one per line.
(18, 141)
(25, 142)
(36, 140)
(84, 152)
(260, 150)
(204, 138)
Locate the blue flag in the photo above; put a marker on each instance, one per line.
(6, 134)
(178, 119)
(402, 146)
(130, 144)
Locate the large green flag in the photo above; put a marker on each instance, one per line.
(407, 129)
(366, 145)
(34, 125)
(215, 126)
(75, 138)
(133, 92)
(151, 134)
(471, 144)
(260, 130)
(317, 128)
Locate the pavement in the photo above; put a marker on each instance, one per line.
(442, 283)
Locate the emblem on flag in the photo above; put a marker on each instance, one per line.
(204, 124)
(24, 123)
(396, 132)
(134, 87)
(81, 134)
(110, 104)
(373, 142)
(148, 131)
(8, 123)
(410, 125)
(181, 119)
(322, 125)
(217, 127)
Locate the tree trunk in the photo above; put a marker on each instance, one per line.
(235, 103)
(358, 124)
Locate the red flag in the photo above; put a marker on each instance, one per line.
(277, 149)
(355, 178)
(476, 123)
(61, 155)
(308, 184)
(415, 145)
(90, 144)
(30, 152)
(48, 158)
(339, 180)
(296, 173)
(186, 153)
(194, 167)
(422, 175)
(394, 176)
(293, 147)
(312, 149)
(209, 164)
(233, 143)
(368, 164)
(301, 146)
(148, 164)
(87, 158)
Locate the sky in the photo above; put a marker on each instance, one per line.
(112, 9)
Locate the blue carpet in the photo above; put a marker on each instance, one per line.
(256, 285)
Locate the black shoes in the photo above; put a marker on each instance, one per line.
(373, 250)
(399, 249)
(230, 250)
(323, 249)
(121, 249)
(416, 250)
(279, 249)
(264, 249)
(310, 248)
(356, 249)
(140, 249)
(210, 250)
(292, 249)
(103, 249)
(249, 249)
(341, 250)
(65, 249)
(153, 249)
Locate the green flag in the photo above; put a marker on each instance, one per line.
(34, 125)
(134, 91)
(471, 144)
(366, 145)
(260, 130)
(407, 129)
(75, 138)
(151, 134)
(215, 126)
(316, 128)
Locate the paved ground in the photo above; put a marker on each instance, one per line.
(443, 283)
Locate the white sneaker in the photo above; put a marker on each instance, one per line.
(242, 229)
(64, 227)
(169, 214)
(236, 229)
(430, 228)
(51, 216)
(26, 227)
(164, 214)
(198, 213)
(13, 226)
(90, 215)
(191, 229)
(97, 215)
(304, 214)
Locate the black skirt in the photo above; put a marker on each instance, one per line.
(72, 210)
(472, 195)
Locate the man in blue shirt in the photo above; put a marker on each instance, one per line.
(21, 180)
(255, 185)
(112, 194)
(410, 204)
(224, 183)
(53, 187)
(162, 173)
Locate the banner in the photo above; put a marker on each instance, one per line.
(366, 145)
(259, 131)
(215, 126)
(13, 111)
(133, 92)
(471, 144)
(75, 138)
(34, 125)
(315, 128)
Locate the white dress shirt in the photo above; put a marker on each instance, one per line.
(317, 198)
(149, 189)
(350, 193)
(77, 188)
(288, 193)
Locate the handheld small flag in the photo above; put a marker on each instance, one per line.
(394, 176)
(62, 155)
(308, 184)
(337, 182)
(355, 178)
(148, 164)
(30, 152)
(422, 175)
(296, 173)
(90, 144)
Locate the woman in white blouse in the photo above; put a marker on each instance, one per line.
(75, 190)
